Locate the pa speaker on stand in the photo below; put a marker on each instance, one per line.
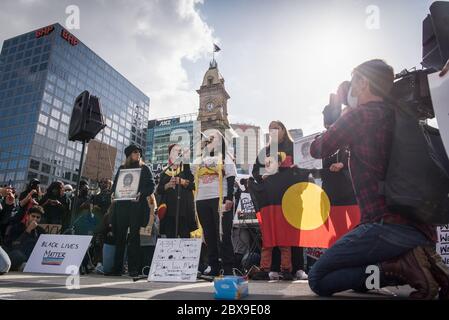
(86, 122)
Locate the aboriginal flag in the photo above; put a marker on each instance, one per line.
(295, 212)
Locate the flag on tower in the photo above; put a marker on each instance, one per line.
(216, 48)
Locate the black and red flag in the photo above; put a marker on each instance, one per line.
(295, 212)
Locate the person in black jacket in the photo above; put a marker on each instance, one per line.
(55, 205)
(131, 214)
(281, 138)
(22, 235)
(177, 178)
(264, 166)
(7, 205)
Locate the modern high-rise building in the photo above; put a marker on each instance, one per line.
(41, 74)
(159, 133)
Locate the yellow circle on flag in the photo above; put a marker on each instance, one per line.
(305, 206)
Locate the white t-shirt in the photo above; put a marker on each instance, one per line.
(208, 185)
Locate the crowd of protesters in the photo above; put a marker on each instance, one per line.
(354, 149)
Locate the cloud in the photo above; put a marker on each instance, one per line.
(145, 40)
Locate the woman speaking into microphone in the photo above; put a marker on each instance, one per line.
(177, 181)
(214, 179)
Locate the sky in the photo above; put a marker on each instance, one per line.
(280, 58)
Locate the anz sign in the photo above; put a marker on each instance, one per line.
(168, 122)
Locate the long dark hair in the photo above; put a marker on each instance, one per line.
(223, 148)
(55, 185)
(128, 163)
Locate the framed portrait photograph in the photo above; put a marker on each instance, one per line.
(127, 184)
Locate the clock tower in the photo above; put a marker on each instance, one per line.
(213, 111)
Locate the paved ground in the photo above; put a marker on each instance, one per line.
(20, 286)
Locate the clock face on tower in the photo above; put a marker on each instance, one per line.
(209, 106)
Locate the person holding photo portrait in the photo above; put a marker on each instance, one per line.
(131, 214)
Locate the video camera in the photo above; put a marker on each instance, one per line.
(411, 88)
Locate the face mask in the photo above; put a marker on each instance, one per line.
(353, 102)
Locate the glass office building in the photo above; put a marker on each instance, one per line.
(158, 136)
(41, 74)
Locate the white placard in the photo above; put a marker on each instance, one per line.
(127, 184)
(246, 205)
(439, 92)
(443, 243)
(58, 254)
(301, 153)
(175, 260)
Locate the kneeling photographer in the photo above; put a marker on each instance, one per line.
(401, 248)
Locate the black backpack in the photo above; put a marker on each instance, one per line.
(417, 179)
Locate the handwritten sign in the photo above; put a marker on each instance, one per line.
(57, 253)
(100, 161)
(246, 204)
(51, 228)
(443, 243)
(175, 260)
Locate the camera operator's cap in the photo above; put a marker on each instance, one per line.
(68, 187)
(131, 148)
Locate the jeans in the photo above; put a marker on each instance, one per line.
(5, 262)
(108, 258)
(343, 266)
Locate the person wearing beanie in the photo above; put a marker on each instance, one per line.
(131, 214)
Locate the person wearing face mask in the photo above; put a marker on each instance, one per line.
(397, 246)
(215, 174)
(55, 205)
(131, 214)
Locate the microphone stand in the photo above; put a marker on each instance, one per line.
(178, 201)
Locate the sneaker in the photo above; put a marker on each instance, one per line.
(273, 275)
(301, 275)
(286, 276)
(260, 275)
